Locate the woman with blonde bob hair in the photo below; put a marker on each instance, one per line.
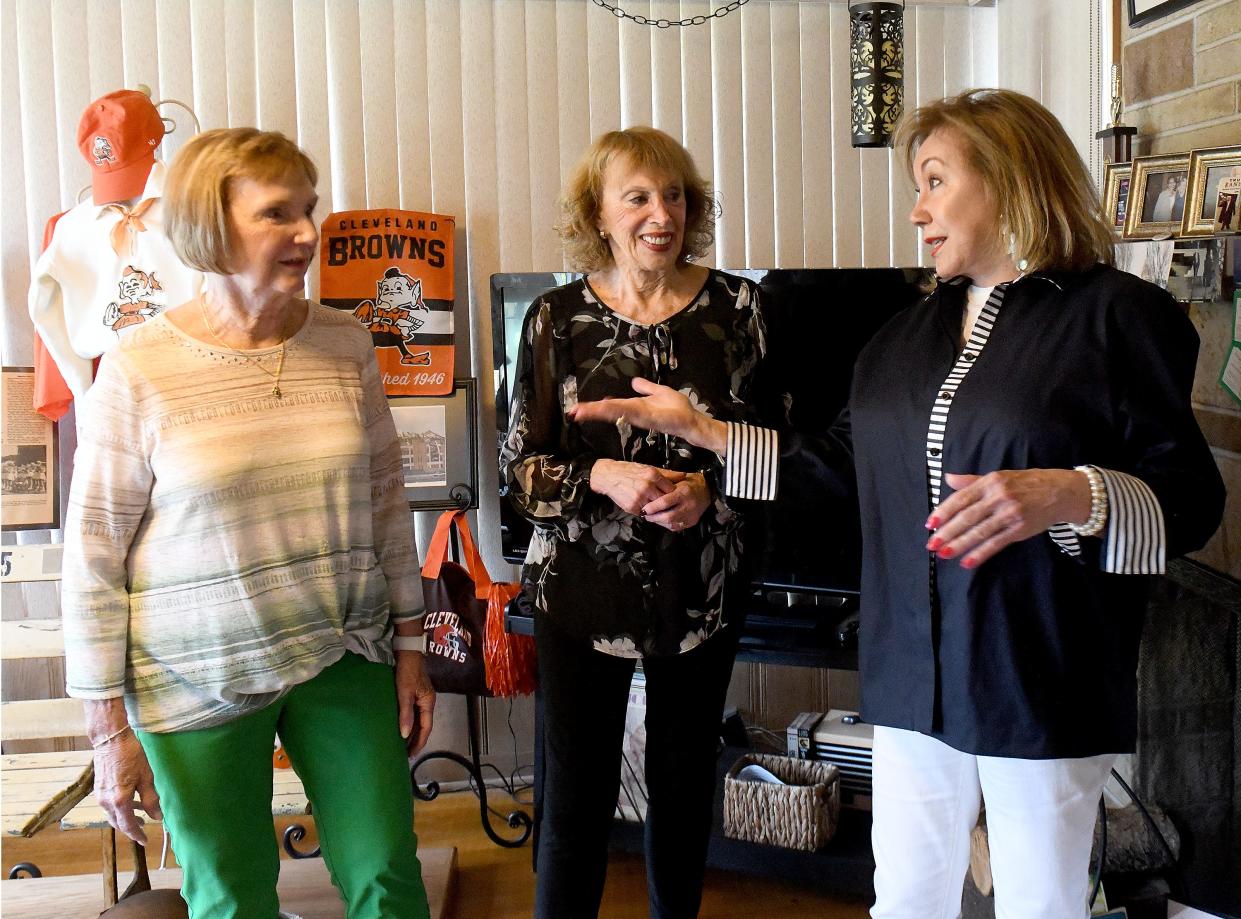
(1023, 449)
(1049, 212)
(636, 552)
(239, 560)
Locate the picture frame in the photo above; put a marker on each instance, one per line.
(1214, 203)
(439, 447)
(30, 483)
(1158, 189)
(1116, 179)
(1142, 12)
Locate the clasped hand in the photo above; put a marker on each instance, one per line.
(670, 499)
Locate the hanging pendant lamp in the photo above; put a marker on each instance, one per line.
(877, 71)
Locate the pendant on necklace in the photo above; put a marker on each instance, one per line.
(275, 391)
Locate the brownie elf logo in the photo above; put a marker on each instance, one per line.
(393, 270)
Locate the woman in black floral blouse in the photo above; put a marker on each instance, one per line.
(635, 553)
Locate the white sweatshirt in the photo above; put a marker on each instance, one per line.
(85, 294)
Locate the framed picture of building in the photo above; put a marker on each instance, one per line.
(439, 447)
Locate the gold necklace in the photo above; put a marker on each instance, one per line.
(275, 389)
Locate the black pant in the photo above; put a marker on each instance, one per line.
(585, 695)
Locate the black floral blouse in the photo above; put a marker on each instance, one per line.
(630, 587)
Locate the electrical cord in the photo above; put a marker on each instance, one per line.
(772, 740)
(512, 787)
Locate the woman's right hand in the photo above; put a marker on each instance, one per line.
(631, 486)
(658, 408)
(121, 769)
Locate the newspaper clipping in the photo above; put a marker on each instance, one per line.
(29, 498)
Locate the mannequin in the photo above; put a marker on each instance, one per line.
(109, 266)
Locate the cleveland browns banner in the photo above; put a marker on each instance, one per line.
(394, 271)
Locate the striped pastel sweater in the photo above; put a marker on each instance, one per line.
(223, 545)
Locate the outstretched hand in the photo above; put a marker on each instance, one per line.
(657, 408)
(986, 513)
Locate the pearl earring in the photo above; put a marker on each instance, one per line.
(1021, 263)
(603, 234)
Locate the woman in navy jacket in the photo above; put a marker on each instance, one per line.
(1024, 453)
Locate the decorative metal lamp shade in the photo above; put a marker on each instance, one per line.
(877, 69)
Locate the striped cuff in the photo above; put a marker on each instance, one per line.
(1135, 540)
(751, 462)
(1065, 539)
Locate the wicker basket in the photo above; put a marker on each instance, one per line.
(801, 814)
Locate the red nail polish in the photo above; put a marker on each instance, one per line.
(934, 544)
(933, 523)
(947, 552)
(969, 562)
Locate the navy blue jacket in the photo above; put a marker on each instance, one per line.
(1033, 654)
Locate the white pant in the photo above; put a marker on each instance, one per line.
(1040, 823)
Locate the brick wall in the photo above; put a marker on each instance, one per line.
(1182, 86)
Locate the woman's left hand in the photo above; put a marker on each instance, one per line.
(415, 699)
(683, 506)
(986, 513)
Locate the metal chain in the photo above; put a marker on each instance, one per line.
(641, 20)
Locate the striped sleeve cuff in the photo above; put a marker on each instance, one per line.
(1065, 539)
(1135, 540)
(751, 462)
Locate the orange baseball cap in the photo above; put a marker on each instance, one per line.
(117, 136)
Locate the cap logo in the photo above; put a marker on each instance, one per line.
(102, 151)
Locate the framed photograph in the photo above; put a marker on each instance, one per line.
(1143, 11)
(1116, 194)
(439, 447)
(1197, 269)
(1214, 205)
(1157, 192)
(30, 488)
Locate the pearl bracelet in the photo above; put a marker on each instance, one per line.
(1098, 504)
(111, 737)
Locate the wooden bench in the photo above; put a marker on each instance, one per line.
(304, 888)
(41, 789)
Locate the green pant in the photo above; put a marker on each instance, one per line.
(340, 731)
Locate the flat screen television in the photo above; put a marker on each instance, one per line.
(818, 320)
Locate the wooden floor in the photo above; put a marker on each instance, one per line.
(493, 882)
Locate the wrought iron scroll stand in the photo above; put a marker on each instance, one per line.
(463, 495)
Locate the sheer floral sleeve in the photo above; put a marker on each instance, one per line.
(546, 480)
